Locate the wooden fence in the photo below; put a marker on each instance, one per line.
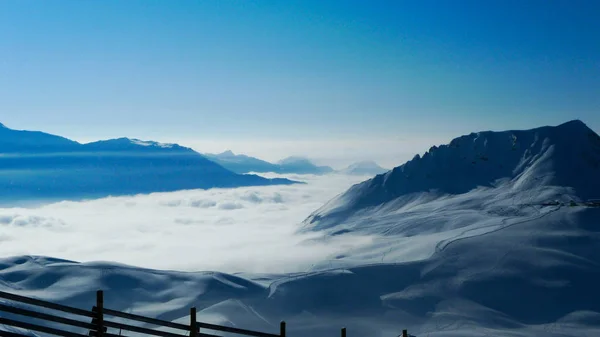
(96, 324)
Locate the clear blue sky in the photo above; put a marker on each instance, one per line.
(219, 70)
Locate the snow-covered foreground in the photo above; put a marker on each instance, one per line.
(537, 278)
(527, 272)
(466, 241)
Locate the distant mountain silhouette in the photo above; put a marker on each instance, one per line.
(364, 168)
(240, 163)
(39, 166)
(302, 165)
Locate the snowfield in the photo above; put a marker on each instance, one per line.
(485, 236)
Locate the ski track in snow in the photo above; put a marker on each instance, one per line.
(445, 243)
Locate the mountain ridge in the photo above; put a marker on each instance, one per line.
(46, 167)
(526, 159)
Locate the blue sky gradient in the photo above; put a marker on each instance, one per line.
(249, 72)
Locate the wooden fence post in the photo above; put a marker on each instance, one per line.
(100, 313)
(193, 323)
(343, 332)
(404, 333)
(282, 329)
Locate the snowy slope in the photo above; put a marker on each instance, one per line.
(535, 277)
(536, 166)
(365, 168)
(42, 167)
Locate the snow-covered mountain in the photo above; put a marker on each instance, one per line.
(240, 163)
(40, 166)
(538, 165)
(490, 235)
(301, 165)
(364, 168)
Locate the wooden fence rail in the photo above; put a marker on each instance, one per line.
(98, 326)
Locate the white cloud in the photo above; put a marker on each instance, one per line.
(244, 229)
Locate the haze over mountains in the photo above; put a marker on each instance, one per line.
(362, 168)
(40, 166)
(301, 165)
(493, 234)
(241, 163)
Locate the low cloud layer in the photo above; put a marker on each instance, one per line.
(244, 229)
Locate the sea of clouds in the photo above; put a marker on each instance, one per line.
(250, 229)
